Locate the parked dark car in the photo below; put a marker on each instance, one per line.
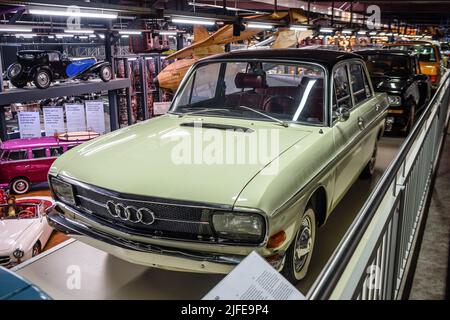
(398, 73)
(42, 67)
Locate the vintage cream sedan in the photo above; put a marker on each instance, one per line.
(257, 150)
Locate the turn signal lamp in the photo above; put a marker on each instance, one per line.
(276, 240)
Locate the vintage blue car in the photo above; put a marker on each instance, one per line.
(13, 287)
(42, 67)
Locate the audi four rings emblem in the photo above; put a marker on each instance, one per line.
(129, 213)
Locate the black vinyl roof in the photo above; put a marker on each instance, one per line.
(385, 52)
(327, 58)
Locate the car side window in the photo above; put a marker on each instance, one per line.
(360, 85)
(53, 56)
(341, 85)
(38, 153)
(18, 155)
(56, 151)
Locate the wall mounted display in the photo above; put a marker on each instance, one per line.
(76, 117)
(29, 124)
(95, 116)
(53, 120)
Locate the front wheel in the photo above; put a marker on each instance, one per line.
(42, 79)
(298, 256)
(105, 73)
(20, 186)
(36, 249)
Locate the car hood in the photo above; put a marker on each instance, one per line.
(11, 231)
(388, 84)
(146, 159)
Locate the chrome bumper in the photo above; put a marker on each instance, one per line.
(139, 252)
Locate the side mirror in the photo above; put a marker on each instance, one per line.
(421, 77)
(343, 114)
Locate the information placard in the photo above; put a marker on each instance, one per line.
(29, 124)
(76, 117)
(95, 116)
(53, 120)
(254, 279)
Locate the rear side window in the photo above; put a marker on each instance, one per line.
(360, 86)
(38, 153)
(342, 96)
(56, 151)
(18, 155)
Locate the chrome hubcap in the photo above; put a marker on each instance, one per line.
(43, 79)
(15, 70)
(20, 186)
(303, 244)
(106, 73)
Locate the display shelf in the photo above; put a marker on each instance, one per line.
(61, 90)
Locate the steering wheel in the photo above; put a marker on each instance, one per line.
(26, 213)
(290, 98)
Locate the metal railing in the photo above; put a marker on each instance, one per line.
(373, 258)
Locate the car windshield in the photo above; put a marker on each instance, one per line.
(15, 211)
(289, 92)
(426, 52)
(388, 65)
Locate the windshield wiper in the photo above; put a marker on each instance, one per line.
(181, 115)
(283, 123)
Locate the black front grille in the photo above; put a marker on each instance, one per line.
(4, 260)
(171, 221)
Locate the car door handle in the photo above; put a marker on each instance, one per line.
(361, 123)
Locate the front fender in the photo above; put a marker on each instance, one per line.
(95, 67)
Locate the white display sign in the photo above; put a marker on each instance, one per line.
(76, 117)
(29, 124)
(254, 279)
(95, 116)
(53, 120)
(161, 107)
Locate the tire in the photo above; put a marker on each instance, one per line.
(14, 71)
(412, 119)
(296, 265)
(18, 83)
(42, 79)
(369, 169)
(105, 73)
(36, 249)
(20, 186)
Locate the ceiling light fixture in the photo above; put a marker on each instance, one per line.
(327, 30)
(168, 33)
(256, 25)
(298, 28)
(193, 21)
(5, 28)
(130, 32)
(82, 31)
(66, 13)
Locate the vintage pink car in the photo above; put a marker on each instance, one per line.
(27, 161)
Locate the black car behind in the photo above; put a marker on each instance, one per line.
(398, 74)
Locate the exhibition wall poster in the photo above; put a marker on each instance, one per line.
(29, 124)
(95, 116)
(53, 120)
(76, 118)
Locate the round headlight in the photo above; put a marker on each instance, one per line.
(18, 254)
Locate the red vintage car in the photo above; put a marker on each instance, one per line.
(27, 161)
